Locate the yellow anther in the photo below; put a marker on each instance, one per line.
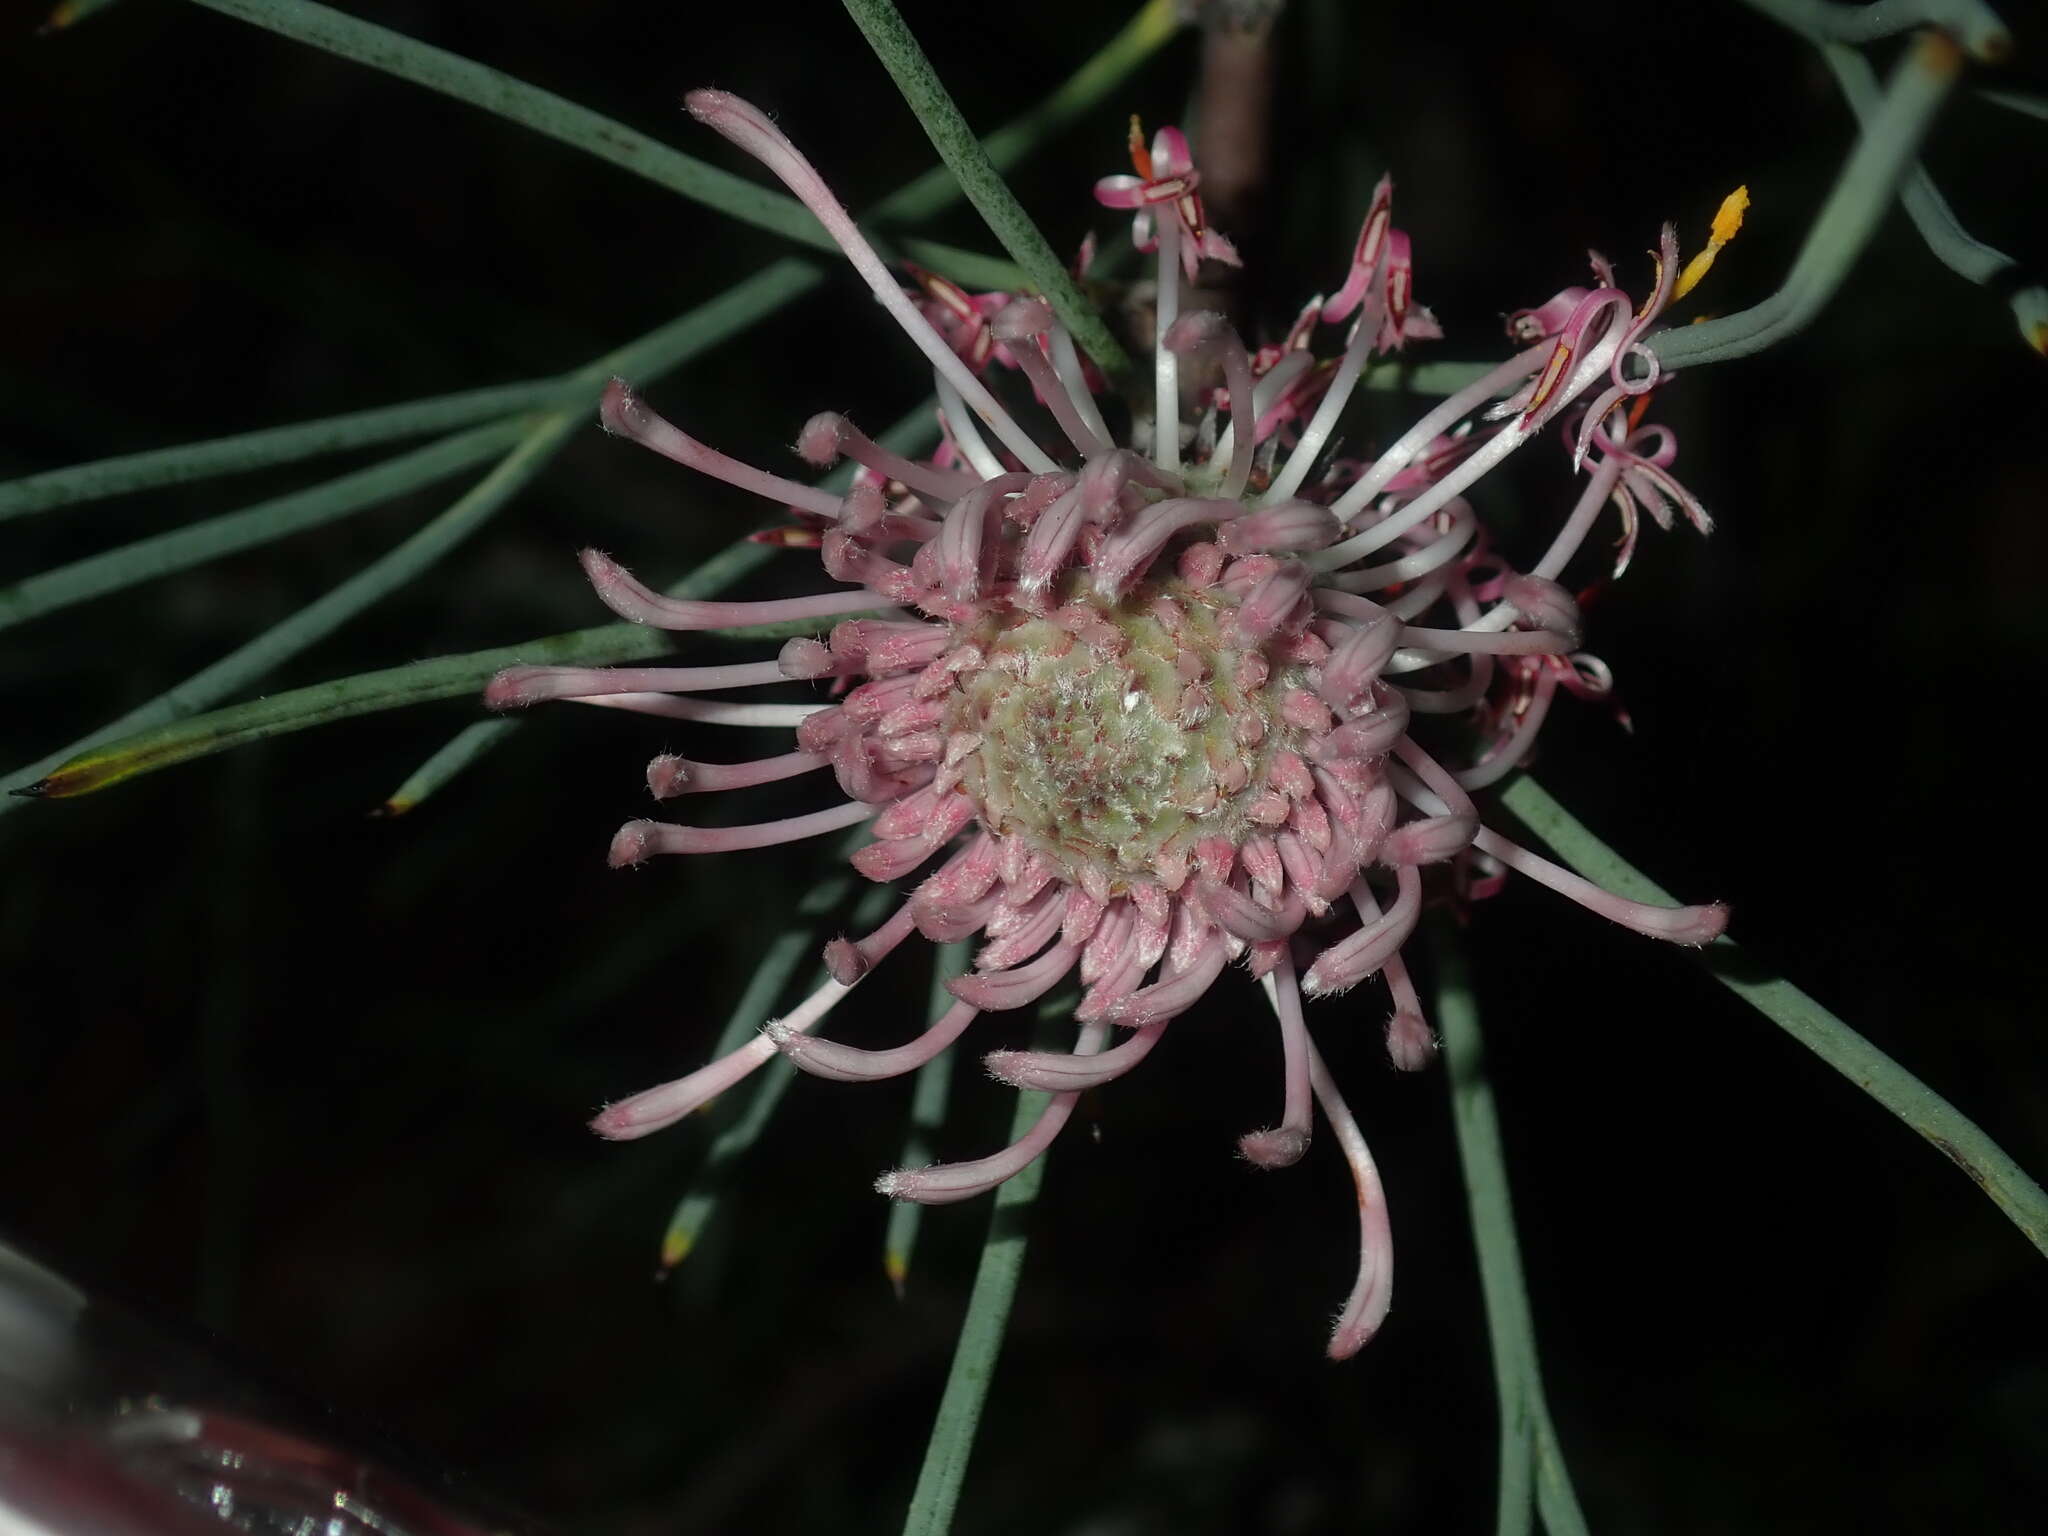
(1727, 223)
(1728, 218)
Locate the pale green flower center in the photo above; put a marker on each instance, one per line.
(1111, 755)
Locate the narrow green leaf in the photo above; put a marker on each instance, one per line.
(1556, 1500)
(969, 161)
(1080, 93)
(544, 112)
(182, 548)
(457, 753)
(739, 559)
(1955, 247)
(736, 1137)
(1518, 1383)
(1883, 157)
(185, 737)
(1972, 22)
(162, 742)
(1442, 378)
(946, 1454)
(917, 200)
(697, 330)
(928, 1098)
(274, 445)
(1952, 1133)
(179, 549)
(83, 769)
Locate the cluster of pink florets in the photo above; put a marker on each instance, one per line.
(1151, 711)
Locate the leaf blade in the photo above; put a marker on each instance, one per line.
(1951, 1132)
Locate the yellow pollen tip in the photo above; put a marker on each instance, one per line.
(675, 1248)
(1728, 218)
(1727, 224)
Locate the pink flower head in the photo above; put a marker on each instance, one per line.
(1128, 721)
(1166, 175)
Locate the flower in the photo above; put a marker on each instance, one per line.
(1166, 178)
(1149, 716)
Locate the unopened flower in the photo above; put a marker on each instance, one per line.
(1149, 714)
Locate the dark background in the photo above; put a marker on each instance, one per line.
(316, 1083)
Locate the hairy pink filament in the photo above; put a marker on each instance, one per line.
(746, 126)
(629, 599)
(829, 434)
(517, 687)
(1020, 324)
(848, 1064)
(1372, 1295)
(657, 1108)
(638, 840)
(944, 1183)
(1694, 925)
(1283, 1145)
(1057, 1072)
(707, 711)
(669, 776)
(626, 415)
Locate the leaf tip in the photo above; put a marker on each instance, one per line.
(675, 1248)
